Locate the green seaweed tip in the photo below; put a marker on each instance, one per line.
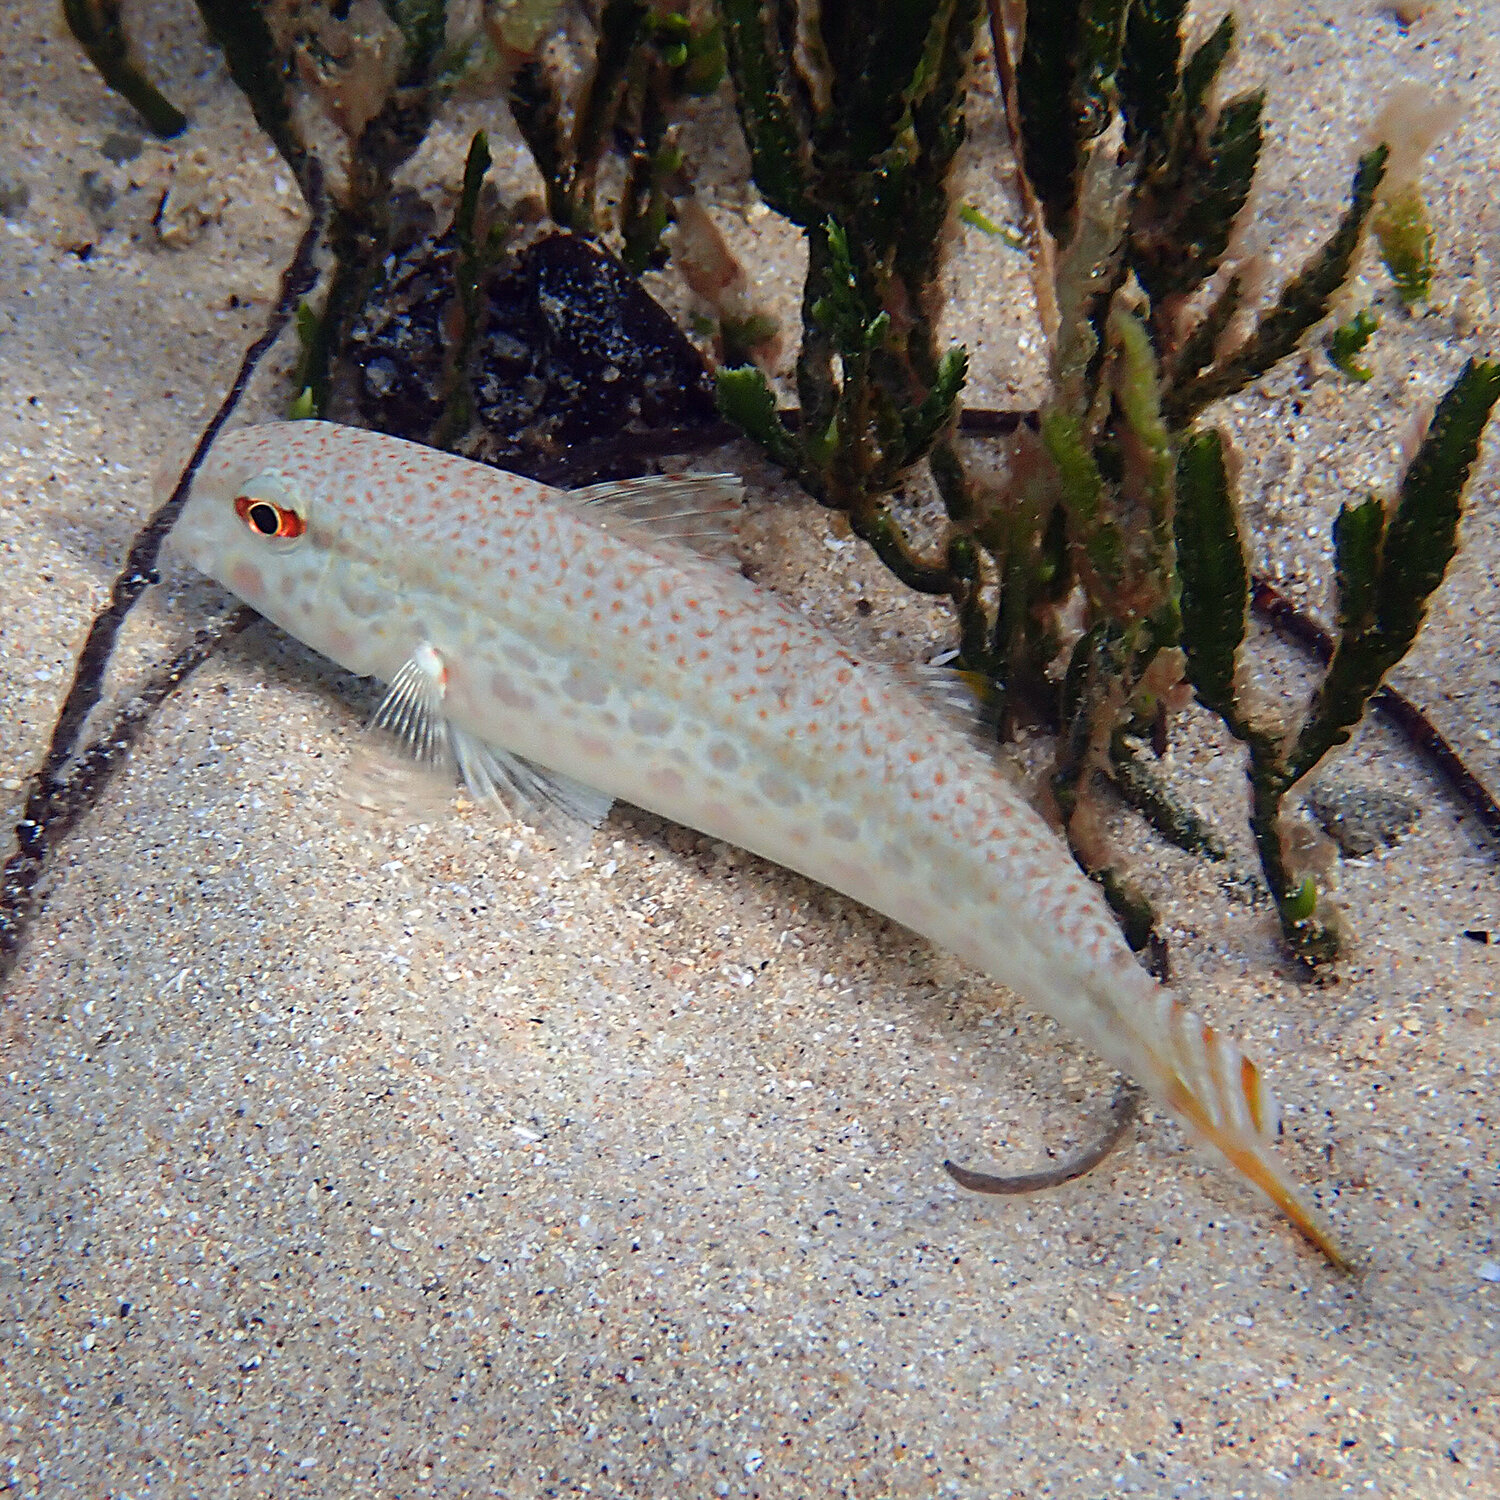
(1348, 339)
(1407, 243)
(99, 28)
(1302, 902)
(746, 399)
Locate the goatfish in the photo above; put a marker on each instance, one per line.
(556, 650)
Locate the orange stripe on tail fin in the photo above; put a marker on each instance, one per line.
(1219, 1092)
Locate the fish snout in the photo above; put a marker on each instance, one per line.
(186, 543)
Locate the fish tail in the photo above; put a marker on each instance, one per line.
(1209, 1083)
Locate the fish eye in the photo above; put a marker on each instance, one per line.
(267, 518)
(262, 516)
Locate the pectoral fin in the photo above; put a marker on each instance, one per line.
(564, 808)
(412, 714)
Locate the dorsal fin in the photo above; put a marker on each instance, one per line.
(686, 510)
(964, 699)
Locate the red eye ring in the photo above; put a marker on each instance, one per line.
(267, 519)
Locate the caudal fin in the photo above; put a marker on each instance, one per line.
(1202, 1075)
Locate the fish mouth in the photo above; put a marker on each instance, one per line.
(189, 542)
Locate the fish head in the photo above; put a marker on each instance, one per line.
(263, 519)
(291, 517)
(249, 524)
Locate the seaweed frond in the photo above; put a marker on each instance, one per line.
(98, 26)
(853, 124)
(1304, 301)
(1386, 568)
(1348, 340)
(1407, 243)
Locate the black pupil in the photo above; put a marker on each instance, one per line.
(264, 519)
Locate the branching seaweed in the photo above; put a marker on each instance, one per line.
(1106, 579)
(853, 117)
(1119, 513)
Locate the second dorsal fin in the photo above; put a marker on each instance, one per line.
(687, 510)
(964, 699)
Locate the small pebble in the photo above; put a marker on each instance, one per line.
(15, 194)
(121, 146)
(1359, 818)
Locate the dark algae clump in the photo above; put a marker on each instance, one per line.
(576, 374)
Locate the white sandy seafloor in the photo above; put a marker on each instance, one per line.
(381, 1159)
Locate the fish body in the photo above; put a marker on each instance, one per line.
(587, 633)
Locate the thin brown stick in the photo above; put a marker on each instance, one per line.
(1044, 252)
(96, 767)
(1122, 1113)
(56, 800)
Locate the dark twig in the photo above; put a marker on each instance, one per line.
(1122, 1113)
(51, 796)
(96, 767)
